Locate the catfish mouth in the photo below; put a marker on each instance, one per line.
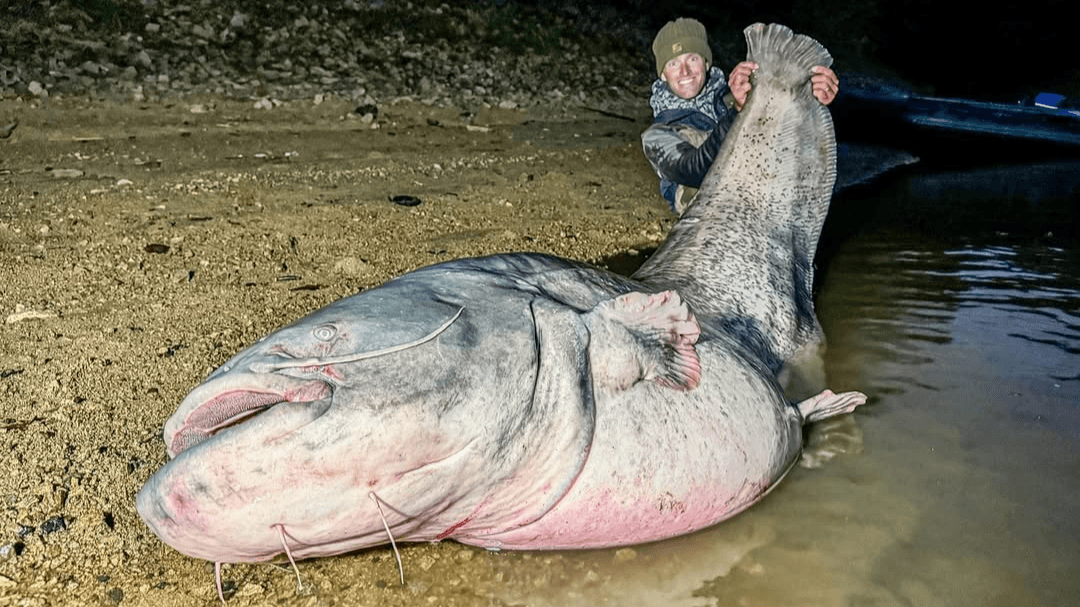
(233, 400)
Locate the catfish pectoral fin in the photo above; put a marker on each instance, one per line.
(639, 336)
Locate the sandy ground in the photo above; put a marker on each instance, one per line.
(142, 245)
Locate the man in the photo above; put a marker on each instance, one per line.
(693, 107)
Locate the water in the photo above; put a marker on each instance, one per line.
(959, 482)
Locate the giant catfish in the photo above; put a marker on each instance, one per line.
(523, 401)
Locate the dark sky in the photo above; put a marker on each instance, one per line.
(985, 50)
(993, 51)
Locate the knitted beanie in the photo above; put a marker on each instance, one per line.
(678, 37)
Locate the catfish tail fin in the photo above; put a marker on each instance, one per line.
(784, 59)
(789, 56)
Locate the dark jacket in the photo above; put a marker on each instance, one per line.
(677, 160)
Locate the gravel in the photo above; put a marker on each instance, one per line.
(470, 55)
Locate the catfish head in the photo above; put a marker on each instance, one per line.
(454, 412)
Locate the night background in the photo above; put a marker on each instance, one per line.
(995, 52)
(1000, 52)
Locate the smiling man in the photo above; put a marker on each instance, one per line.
(694, 107)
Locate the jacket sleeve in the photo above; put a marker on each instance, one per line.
(677, 159)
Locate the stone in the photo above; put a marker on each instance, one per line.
(176, 48)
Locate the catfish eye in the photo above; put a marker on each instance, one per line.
(324, 333)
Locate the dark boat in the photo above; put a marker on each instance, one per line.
(964, 165)
(955, 132)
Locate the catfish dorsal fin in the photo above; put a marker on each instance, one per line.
(643, 336)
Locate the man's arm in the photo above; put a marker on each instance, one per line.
(676, 159)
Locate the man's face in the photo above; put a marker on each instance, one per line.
(685, 75)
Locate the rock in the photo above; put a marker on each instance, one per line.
(92, 68)
(351, 266)
(454, 55)
(142, 58)
(405, 200)
(54, 524)
(28, 315)
(202, 31)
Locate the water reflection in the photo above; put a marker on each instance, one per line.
(979, 426)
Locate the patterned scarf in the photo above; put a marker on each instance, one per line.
(715, 86)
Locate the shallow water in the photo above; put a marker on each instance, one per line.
(958, 483)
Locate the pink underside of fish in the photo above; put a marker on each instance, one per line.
(665, 482)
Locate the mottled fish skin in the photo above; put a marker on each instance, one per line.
(743, 252)
(440, 431)
(526, 401)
